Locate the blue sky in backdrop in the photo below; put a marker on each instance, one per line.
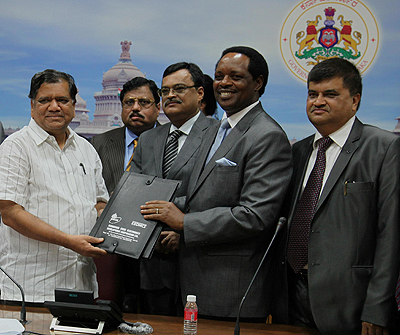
(83, 38)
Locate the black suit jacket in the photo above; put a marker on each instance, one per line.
(354, 250)
(111, 148)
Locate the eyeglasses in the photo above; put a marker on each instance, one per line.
(143, 102)
(59, 101)
(177, 89)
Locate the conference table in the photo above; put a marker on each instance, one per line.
(163, 325)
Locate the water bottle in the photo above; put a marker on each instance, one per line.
(190, 317)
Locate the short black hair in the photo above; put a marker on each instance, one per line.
(209, 98)
(257, 66)
(194, 70)
(52, 76)
(338, 68)
(139, 82)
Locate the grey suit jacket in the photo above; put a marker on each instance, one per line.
(161, 270)
(111, 148)
(231, 213)
(354, 250)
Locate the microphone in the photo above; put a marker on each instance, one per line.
(23, 320)
(279, 226)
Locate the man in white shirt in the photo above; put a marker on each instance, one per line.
(51, 192)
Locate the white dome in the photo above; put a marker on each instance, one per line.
(80, 103)
(123, 71)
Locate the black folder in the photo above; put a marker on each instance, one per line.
(121, 224)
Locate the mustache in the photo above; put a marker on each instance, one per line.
(136, 113)
(166, 103)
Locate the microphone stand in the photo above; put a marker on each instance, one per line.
(281, 223)
(23, 320)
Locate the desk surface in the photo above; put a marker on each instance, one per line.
(163, 325)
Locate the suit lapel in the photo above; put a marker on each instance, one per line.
(207, 141)
(300, 158)
(236, 133)
(116, 148)
(158, 148)
(190, 146)
(345, 155)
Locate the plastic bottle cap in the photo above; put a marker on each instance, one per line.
(191, 298)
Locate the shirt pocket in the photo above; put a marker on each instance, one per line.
(86, 182)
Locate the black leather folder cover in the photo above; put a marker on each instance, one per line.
(123, 227)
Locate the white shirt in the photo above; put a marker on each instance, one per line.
(339, 138)
(61, 187)
(185, 128)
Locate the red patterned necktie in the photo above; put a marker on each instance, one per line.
(297, 253)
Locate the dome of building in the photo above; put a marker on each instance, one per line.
(80, 104)
(107, 114)
(81, 112)
(121, 72)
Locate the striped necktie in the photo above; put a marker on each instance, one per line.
(128, 167)
(171, 151)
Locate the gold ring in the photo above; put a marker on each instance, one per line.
(156, 210)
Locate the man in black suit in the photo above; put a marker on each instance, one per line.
(339, 261)
(182, 93)
(140, 109)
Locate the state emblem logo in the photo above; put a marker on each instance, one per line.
(348, 30)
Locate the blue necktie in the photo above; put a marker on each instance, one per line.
(223, 130)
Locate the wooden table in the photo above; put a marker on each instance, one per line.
(163, 325)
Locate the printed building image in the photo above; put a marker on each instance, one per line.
(107, 114)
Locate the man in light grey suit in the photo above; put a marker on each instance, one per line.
(182, 93)
(234, 199)
(346, 281)
(118, 276)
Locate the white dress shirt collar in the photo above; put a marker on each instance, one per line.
(339, 136)
(235, 118)
(129, 137)
(187, 126)
(39, 135)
